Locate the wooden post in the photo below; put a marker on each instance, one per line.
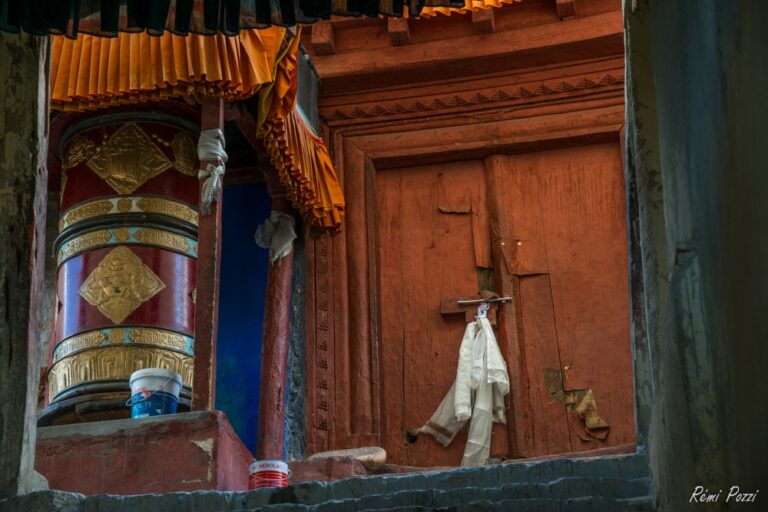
(23, 195)
(274, 349)
(208, 277)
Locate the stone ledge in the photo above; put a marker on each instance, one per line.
(575, 484)
(178, 452)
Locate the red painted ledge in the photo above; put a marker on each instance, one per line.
(180, 452)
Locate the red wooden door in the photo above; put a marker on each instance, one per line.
(566, 222)
(427, 220)
(562, 214)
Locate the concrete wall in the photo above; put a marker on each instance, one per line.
(696, 144)
(48, 306)
(23, 181)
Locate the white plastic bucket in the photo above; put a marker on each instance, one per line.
(154, 391)
(268, 473)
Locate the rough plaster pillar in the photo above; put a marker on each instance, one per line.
(697, 113)
(23, 184)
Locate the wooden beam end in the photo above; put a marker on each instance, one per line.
(484, 21)
(399, 33)
(566, 8)
(322, 39)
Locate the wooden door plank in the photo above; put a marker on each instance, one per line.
(420, 203)
(392, 314)
(358, 346)
(541, 348)
(501, 188)
(586, 242)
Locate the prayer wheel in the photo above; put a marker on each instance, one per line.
(127, 259)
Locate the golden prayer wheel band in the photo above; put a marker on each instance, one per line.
(115, 363)
(111, 206)
(152, 237)
(126, 336)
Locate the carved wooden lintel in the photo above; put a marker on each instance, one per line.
(399, 33)
(514, 92)
(566, 8)
(322, 39)
(484, 21)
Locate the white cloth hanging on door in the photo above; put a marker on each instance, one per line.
(476, 396)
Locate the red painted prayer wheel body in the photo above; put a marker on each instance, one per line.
(127, 261)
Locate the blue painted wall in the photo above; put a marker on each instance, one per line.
(241, 308)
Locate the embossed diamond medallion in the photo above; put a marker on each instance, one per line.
(120, 284)
(128, 159)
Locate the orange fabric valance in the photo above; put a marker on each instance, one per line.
(469, 5)
(299, 155)
(94, 72)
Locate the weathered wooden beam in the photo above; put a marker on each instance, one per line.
(566, 8)
(322, 39)
(244, 118)
(275, 342)
(585, 36)
(399, 33)
(208, 277)
(23, 196)
(484, 21)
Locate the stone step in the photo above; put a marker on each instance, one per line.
(583, 504)
(626, 467)
(561, 489)
(606, 483)
(567, 489)
(580, 504)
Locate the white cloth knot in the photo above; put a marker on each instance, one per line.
(277, 235)
(210, 148)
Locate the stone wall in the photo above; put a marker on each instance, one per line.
(23, 183)
(697, 116)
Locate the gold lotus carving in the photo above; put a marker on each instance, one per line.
(120, 284)
(128, 159)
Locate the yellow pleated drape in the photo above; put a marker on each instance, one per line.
(470, 5)
(95, 72)
(301, 157)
